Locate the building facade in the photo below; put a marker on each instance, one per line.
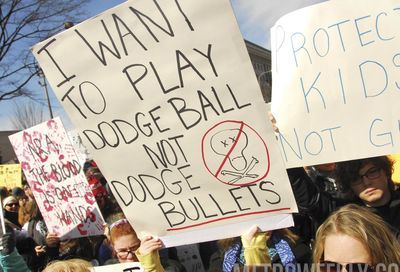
(261, 59)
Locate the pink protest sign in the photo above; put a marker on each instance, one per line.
(57, 180)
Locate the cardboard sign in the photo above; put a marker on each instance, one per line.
(166, 101)
(122, 267)
(58, 184)
(336, 81)
(10, 175)
(81, 151)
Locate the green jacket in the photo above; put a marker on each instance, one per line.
(13, 263)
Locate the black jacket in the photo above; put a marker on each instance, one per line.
(312, 201)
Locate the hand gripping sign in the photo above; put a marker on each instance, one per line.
(57, 180)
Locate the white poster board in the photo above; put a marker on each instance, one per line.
(336, 81)
(166, 101)
(81, 151)
(122, 267)
(56, 177)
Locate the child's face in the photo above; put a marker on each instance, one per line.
(125, 247)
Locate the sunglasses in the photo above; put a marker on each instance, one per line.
(12, 205)
(327, 266)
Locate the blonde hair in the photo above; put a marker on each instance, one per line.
(366, 227)
(71, 265)
(27, 211)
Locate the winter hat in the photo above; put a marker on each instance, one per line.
(9, 199)
(3, 192)
(96, 186)
(17, 192)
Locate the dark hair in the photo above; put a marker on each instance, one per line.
(348, 171)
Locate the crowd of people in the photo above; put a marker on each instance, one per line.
(349, 218)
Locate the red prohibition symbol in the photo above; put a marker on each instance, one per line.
(235, 154)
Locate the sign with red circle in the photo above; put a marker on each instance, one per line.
(235, 153)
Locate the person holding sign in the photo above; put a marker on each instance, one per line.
(10, 260)
(278, 248)
(366, 182)
(128, 248)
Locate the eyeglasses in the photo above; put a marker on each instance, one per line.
(124, 252)
(372, 173)
(327, 266)
(12, 205)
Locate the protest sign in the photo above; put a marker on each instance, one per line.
(166, 101)
(10, 175)
(122, 267)
(336, 81)
(80, 150)
(58, 184)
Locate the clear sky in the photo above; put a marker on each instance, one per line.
(255, 18)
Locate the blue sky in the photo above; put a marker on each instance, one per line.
(255, 18)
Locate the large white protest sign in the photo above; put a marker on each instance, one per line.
(336, 81)
(122, 267)
(58, 184)
(166, 100)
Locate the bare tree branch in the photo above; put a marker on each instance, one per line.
(27, 115)
(23, 23)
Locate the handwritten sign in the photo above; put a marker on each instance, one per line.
(80, 150)
(10, 175)
(166, 101)
(57, 180)
(122, 267)
(336, 81)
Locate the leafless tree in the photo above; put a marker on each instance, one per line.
(27, 115)
(24, 23)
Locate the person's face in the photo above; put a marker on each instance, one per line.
(371, 186)
(101, 200)
(22, 200)
(343, 249)
(28, 191)
(125, 247)
(13, 206)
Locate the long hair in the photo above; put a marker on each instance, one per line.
(71, 265)
(364, 226)
(347, 171)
